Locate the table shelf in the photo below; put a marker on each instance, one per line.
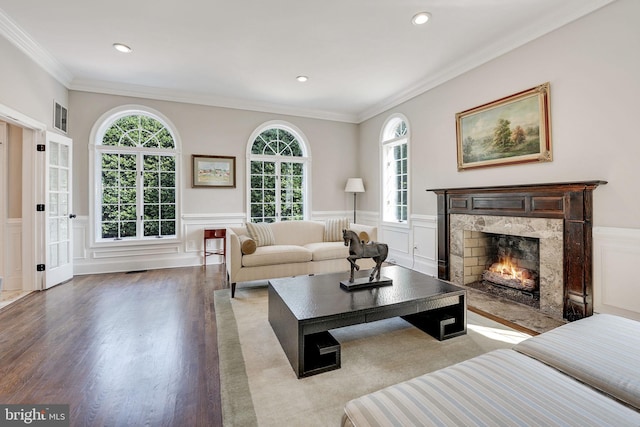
(215, 233)
(321, 353)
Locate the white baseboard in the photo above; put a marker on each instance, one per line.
(98, 266)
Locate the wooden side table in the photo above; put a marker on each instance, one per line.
(215, 233)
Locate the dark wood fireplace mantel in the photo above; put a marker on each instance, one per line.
(571, 202)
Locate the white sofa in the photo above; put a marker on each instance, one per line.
(299, 248)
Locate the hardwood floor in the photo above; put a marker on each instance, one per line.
(123, 349)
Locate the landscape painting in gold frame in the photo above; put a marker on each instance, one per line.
(511, 130)
(213, 171)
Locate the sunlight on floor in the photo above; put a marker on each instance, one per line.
(510, 337)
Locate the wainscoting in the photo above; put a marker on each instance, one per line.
(184, 252)
(413, 246)
(616, 257)
(616, 254)
(100, 258)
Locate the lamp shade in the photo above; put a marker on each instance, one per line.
(354, 185)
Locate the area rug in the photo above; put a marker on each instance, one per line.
(259, 387)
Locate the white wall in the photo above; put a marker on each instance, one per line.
(27, 88)
(593, 66)
(213, 131)
(222, 131)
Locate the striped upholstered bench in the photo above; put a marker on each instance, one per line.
(585, 373)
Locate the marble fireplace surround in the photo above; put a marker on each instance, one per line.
(562, 213)
(549, 231)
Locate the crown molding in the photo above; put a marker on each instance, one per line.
(23, 41)
(148, 92)
(562, 17)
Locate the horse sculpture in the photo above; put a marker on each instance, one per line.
(358, 249)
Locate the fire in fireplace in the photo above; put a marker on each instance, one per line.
(506, 273)
(510, 266)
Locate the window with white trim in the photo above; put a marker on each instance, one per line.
(395, 173)
(136, 170)
(278, 179)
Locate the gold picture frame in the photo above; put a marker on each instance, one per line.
(213, 171)
(511, 130)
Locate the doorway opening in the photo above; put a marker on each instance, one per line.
(20, 225)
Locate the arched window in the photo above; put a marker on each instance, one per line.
(278, 174)
(395, 173)
(135, 177)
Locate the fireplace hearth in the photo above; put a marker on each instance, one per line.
(558, 215)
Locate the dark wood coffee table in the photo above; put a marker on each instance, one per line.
(303, 309)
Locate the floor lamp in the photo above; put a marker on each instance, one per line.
(354, 185)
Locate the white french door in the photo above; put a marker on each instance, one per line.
(277, 190)
(291, 191)
(58, 228)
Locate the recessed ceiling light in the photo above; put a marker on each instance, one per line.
(122, 48)
(420, 18)
(302, 79)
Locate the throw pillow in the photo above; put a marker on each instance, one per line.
(364, 236)
(333, 229)
(261, 233)
(247, 245)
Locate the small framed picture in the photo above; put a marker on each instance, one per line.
(511, 130)
(213, 171)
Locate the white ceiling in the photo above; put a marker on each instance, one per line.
(362, 56)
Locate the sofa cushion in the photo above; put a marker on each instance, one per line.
(276, 254)
(328, 250)
(602, 351)
(333, 229)
(261, 233)
(247, 245)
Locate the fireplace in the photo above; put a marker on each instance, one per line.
(557, 217)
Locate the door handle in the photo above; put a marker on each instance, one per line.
(72, 216)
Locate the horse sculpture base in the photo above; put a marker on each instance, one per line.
(364, 282)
